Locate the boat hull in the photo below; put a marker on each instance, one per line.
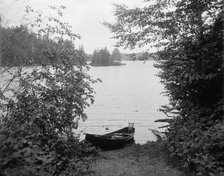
(109, 141)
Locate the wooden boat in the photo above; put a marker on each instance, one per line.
(114, 140)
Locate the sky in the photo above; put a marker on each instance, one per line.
(85, 17)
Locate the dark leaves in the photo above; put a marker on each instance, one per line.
(189, 34)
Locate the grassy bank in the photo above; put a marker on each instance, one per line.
(135, 160)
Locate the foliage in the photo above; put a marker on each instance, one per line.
(116, 55)
(189, 35)
(15, 40)
(45, 106)
(101, 57)
(83, 53)
(20, 47)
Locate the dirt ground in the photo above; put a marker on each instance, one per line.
(137, 160)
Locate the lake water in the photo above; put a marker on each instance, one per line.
(130, 93)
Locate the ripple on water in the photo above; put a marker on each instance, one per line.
(130, 93)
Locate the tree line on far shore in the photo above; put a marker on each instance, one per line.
(103, 57)
(20, 47)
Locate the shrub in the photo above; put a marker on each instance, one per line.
(44, 107)
(189, 34)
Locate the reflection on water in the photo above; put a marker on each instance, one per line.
(130, 93)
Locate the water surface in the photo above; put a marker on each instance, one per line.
(130, 93)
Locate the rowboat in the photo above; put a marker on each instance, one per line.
(114, 140)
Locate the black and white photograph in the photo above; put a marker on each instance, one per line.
(111, 88)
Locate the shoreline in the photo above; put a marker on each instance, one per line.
(107, 65)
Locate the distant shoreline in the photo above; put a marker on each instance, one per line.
(106, 65)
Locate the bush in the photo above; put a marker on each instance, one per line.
(190, 40)
(45, 104)
(195, 135)
(36, 129)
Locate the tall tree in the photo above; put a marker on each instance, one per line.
(101, 57)
(189, 35)
(116, 55)
(105, 56)
(83, 53)
(95, 57)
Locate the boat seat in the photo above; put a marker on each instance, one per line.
(121, 134)
(118, 134)
(117, 137)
